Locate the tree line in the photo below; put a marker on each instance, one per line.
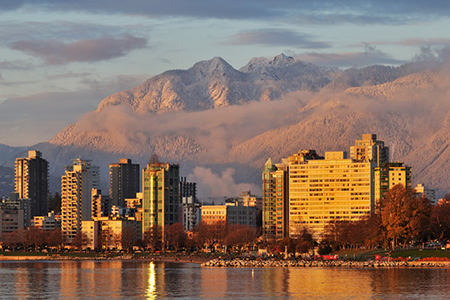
(402, 218)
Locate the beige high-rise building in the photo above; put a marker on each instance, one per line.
(370, 149)
(76, 188)
(32, 181)
(326, 190)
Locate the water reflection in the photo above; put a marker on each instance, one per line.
(138, 280)
(151, 291)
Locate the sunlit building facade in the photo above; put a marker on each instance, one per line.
(388, 175)
(275, 216)
(370, 149)
(326, 190)
(160, 202)
(76, 188)
(232, 213)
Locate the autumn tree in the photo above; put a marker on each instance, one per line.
(54, 238)
(36, 237)
(210, 234)
(374, 235)
(240, 236)
(10, 239)
(128, 237)
(404, 215)
(440, 220)
(176, 236)
(79, 241)
(153, 238)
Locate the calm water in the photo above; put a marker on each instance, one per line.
(144, 280)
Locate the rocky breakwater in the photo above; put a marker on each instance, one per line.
(241, 263)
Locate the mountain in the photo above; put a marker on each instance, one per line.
(214, 84)
(6, 181)
(221, 124)
(7, 152)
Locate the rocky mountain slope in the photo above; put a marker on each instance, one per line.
(220, 119)
(214, 84)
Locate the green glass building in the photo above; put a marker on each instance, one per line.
(160, 183)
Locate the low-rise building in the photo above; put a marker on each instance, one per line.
(430, 194)
(11, 219)
(48, 222)
(111, 233)
(233, 213)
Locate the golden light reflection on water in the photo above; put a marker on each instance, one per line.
(137, 280)
(329, 283)
(151, 290)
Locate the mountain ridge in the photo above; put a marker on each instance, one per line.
(207, 117)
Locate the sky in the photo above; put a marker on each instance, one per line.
(59, 59)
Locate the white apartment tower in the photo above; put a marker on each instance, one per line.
(76, 187)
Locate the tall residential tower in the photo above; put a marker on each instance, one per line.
(160, 203)
(275, 216)
(76, 189)
(123, 181)
(32, 181)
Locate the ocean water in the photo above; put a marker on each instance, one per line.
(148, 280)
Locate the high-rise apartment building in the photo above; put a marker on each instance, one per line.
(370, 149)
(190, 207)
(101, 205)
(327, 190)
(275, 216)
(389, 174)
(76, 188)
(160, 203)
(32, 181)
(123, 181)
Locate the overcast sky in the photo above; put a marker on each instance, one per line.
(59, 59)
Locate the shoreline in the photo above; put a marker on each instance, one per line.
(238, 263)
(209, 262)
(162, 258)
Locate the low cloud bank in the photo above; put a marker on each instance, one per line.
(220, 185)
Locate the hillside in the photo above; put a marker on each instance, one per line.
(222, 124)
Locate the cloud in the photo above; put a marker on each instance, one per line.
(358, 18)
(14, 83)
(68, 75)
(38, 117)
(214, 130)
(55, 52)
(218, 185)
(13, 31)
(370, 56)
(15, 65)
(354, 11)
(422, 42)
(114, 84)
(277, 37)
